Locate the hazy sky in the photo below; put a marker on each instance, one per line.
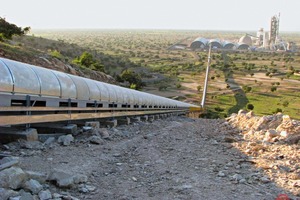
(152, 14)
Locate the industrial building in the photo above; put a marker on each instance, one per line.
(263, 41)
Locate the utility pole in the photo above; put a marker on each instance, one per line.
(206, 78)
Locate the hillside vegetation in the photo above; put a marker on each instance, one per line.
(16, 45)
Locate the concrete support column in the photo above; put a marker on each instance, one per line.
(124, 121)
(151, 118)
(12, 135)
(109, 123)
(144, 118)
(135, 119)
(93, 124)
(55, 128)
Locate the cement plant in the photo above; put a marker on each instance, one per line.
(262, 41)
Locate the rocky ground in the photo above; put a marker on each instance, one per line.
(245, 157)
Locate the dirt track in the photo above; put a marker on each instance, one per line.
(175, 158)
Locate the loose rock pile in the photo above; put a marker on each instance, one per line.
(273, 144)
(19, 184)
(271, 128)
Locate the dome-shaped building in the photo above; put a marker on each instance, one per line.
(228, 45)
(242, 46)
(199, 43)
(215, 43)
(246, 39)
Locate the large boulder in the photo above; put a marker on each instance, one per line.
(40, 177)
(61, 178)
(45, 195)
(288, 125)
(12, 178)
(33, 186)
(104, 133)
(262, 123)
(65, 139)
(66, 180)
(27, 196)
(8, 162)
(270, 134)
(95, 140)
(6, 194)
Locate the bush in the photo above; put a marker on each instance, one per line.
(132, 78)
(209, 114)
(2, 38)
(285, 104)
(162, 87)
(56, 54)
(133, 86)
(277, 110)
(250, 106)
(273, 88)
(86, 60)
(199, 87)
(247, 88)
(219, 109)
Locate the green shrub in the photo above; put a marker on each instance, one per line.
(199, 87)
(2, 38)
(219, 109)
(162, 87)
(250, 106)
(246, 88)
(273, 88)
(56, 54)
(277, 110)
(285, 104)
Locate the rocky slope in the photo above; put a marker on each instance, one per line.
(273, 142)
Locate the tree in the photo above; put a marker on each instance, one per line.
(199, 87)
(87, 60)
(7, 30)
(27, 30)
(247, 88)
(273, 88)
(250, 106)
(132, 78)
